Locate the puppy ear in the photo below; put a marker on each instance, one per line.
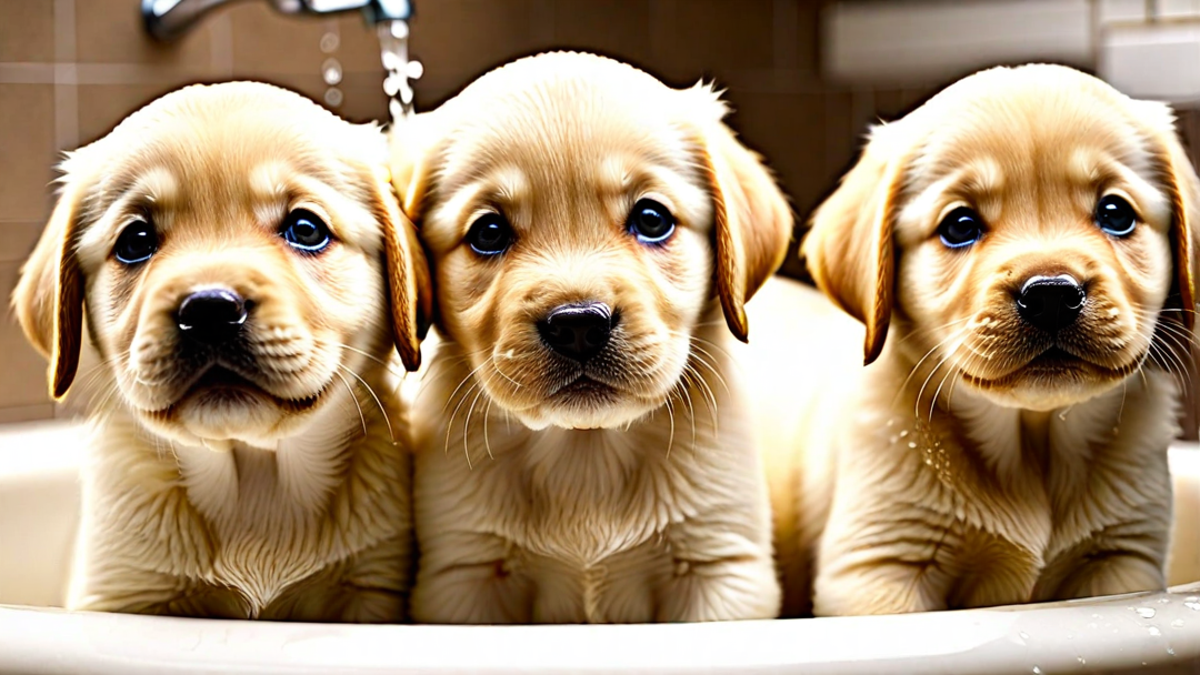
(412, 142)
(410, 289)
(48, 299)
(1183, 186)
(849, 248)
(752, 218)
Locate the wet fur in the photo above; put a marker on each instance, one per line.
(288, 502)
(644, 502)
(955, 473)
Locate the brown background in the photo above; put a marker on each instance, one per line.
(71, 69)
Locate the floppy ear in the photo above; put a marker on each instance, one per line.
(752, 222)
(1184, 189)
(849, 248)
(410, 289)
(49, 296)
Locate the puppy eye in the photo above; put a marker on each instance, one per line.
(305, 231)
(490, 235)
(651, 222)
(1115, 216)
(961, 227)
(136, 243)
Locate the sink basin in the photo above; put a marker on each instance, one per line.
(39, 500)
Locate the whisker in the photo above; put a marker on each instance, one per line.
(354, 397)
(382, 411)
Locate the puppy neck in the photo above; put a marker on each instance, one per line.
(234, 481)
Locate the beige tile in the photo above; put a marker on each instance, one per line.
(266, 42)
(17, 240)
(616, 28)
(111, 31)
(103, 106)
(27, 413)
(459, 40)
(24, 381)
(358, 47)
(709, 37)
(27, 30)
(363, 99)
(27, 150)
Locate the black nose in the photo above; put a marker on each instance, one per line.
(1051, 303)
(211, 316)
(578, 331)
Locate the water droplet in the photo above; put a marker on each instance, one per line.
(903, 433)
(1145, 612)
(1082, 661)
(330, 43)
(331, 70)
(1153, 630)
(1193, 605)
(1024, 635)
(891, 422)
(333, 97)
(1170, 651)
(1036, 670)
(1164, 601)
(912, 444)
(928, 462)
(1063, 414)
(1177, 623)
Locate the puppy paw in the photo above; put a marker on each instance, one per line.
(721, 590)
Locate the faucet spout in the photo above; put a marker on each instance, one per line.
(168, 20)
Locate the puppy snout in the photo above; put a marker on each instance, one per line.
(211, 316)
(1051, 303)
(578, 331)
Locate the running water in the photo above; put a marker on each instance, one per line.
(393, 44)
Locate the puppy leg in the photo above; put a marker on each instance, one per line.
(1107, 566)
(720, 572)
(371, 587)
(470, 578)
(131, 591)
(883, 558)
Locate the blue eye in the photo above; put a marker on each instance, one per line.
(490, 235)
(305, 231)
(961, 227)
(1115, 216)
(136, 243)
(651, 222)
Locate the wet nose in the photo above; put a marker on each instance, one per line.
(1051, 303)
(211, 316)
(578, 331)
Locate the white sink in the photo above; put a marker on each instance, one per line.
(39, 501)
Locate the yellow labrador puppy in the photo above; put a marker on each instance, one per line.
(234, 249)
(584, 453)
(1019, 250)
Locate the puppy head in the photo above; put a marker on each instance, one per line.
(232, 246)
(580, 216)
(1028, 230)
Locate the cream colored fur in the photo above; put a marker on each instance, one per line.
(951, 472)
(287, 496)
(645, 503)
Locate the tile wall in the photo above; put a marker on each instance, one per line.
(71, 69)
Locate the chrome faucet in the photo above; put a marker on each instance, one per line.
(167, 20)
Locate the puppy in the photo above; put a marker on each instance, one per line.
(244, 270)
(1019, 250)
(583, 453)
